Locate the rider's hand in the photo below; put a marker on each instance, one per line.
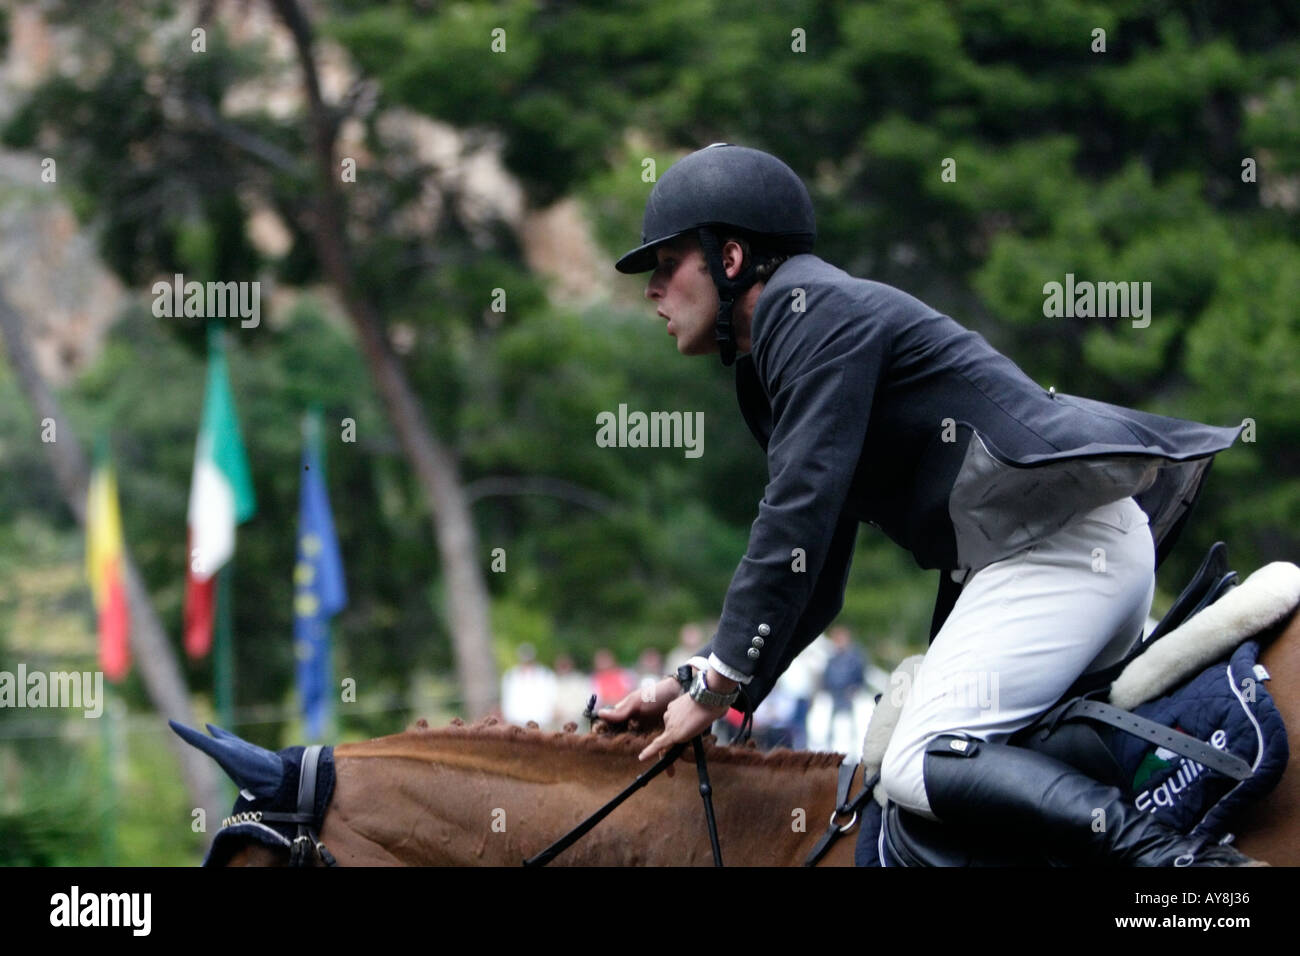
(635, 706)
(683, 720)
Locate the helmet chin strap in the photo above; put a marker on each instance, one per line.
(729, 290)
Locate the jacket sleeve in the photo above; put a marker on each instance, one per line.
(821, 368)
(826, 601)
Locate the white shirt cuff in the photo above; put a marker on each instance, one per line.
(728, 672)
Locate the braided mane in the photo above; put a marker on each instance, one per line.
(604, 741)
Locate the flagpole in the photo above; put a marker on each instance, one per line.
(221, 498)
(327, 725)
(223, 651)
(108, 777)
(319, 589)
(103, 524)
(315, 413)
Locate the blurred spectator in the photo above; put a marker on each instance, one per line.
(610, 683)
(689, 641)
(840, 710)
(650, 664)
(845, 672)
(572, 691)
(813, 714)
(774, 719)
(528, 690)
(798, 685)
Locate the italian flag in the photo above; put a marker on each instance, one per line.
(104, 567)
(221, 496)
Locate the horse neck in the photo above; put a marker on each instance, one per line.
(498, 795)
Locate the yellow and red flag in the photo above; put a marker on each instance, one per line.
(104, 556)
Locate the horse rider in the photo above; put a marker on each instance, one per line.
(1045, 514)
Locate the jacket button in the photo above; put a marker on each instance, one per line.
(753, 653)
(757, 642)
(764, 630)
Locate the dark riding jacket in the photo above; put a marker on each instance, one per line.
(874, 407)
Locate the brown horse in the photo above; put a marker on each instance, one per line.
(492, 794)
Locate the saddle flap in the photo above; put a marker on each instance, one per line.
(1075, 743)
(1196, 596)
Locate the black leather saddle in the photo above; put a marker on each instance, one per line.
(913, 840)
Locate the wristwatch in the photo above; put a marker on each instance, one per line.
(700, 693)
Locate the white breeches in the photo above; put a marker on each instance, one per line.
(1022, 631)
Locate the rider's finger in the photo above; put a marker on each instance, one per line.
(620, 711)
(656, 745)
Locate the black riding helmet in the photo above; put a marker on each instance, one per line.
(715, 189)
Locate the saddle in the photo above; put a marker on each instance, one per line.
(1117, 746)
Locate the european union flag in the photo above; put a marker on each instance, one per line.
(319, 590)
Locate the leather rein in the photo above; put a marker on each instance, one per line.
(706, 793)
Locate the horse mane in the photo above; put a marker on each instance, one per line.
(605, 741)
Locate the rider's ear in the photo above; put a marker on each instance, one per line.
(735, 254)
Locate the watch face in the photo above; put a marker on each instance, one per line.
(699, 688)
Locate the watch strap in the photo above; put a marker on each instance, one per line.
(701, 694)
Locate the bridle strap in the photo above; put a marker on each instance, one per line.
(306, 841)
(843, 807)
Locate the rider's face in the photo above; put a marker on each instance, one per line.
(685, 295)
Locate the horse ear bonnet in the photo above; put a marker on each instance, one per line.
(271, 779)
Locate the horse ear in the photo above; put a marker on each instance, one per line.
(253, 768)
(219, 733)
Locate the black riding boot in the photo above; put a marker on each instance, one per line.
(1071, 816)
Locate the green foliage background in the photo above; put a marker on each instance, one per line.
(1122, 165)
